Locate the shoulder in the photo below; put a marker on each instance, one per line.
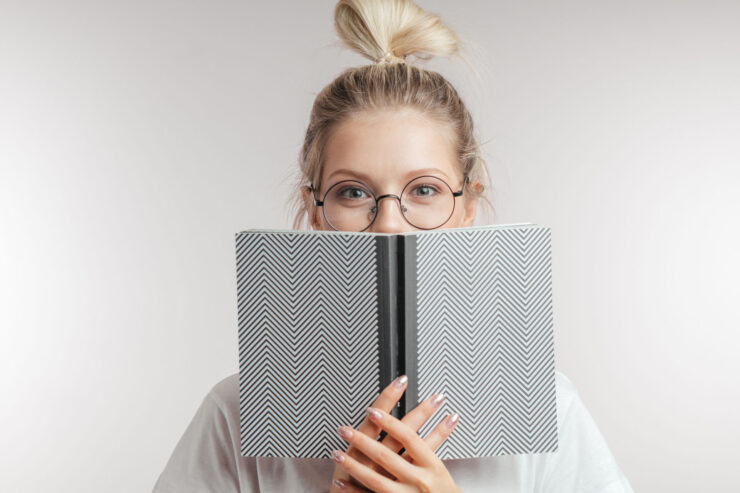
(564, 383)
(583, 460)
(566, 393)
(571, 411)
(217, 416)
(224, 397)
(205, 458)
(226, 391)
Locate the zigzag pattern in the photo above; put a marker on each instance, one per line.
(308, 339)
(485, 339)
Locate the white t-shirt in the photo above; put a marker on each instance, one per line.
(207, 457)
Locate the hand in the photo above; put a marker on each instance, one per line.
(378, 466)
(416, 418)
(386, 401)
(427, 473)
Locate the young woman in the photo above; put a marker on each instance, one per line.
(382, 139)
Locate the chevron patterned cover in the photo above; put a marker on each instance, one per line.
(475, 323)
(484, 336)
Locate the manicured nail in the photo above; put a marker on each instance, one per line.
(344, 432)
(337, 456)
(437, 400)
(400, 381)
(338, 483)
(373, 413)
(452, 420)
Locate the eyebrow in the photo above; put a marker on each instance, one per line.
(365, 177)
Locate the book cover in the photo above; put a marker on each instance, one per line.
(327, 319)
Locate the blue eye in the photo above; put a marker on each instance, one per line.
(354, 193)
(427, 190)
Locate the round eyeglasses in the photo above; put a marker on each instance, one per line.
(426, 202)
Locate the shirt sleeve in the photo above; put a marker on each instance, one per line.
(203, 459)
(584, 462)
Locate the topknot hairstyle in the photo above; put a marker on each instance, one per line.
(389, 33)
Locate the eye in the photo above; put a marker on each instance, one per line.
(352, 193)
(425, 190)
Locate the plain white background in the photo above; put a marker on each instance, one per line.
(137, 137)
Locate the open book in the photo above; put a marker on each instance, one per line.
(327, 319)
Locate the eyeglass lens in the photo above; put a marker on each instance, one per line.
(427, 202)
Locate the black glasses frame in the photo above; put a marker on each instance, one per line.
(320, 203)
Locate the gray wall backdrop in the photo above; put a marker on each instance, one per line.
(137, 137)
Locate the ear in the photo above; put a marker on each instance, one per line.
(312, 210)
(470, 207)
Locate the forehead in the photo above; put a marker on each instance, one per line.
(387, 147)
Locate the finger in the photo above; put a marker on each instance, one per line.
(439, 434)
(371, 479)
(342, 485)
(411, 441)
(415, 418)
(388, 398)
(379, 454)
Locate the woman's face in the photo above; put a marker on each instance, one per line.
(385, 150)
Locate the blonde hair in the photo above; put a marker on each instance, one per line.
(387, 32)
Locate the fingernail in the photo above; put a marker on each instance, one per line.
(373, 413)
(337, 456)
(437, 400)
(452, 420)
(400, 381)
(344, 432)
(338, 483)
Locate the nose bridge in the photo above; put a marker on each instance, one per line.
(388, 195)
(389, 220)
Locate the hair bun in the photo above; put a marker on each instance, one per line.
(392, 29)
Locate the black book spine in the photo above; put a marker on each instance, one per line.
(387, 256)
(397, 308)
(407, 317)
(400, 325)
